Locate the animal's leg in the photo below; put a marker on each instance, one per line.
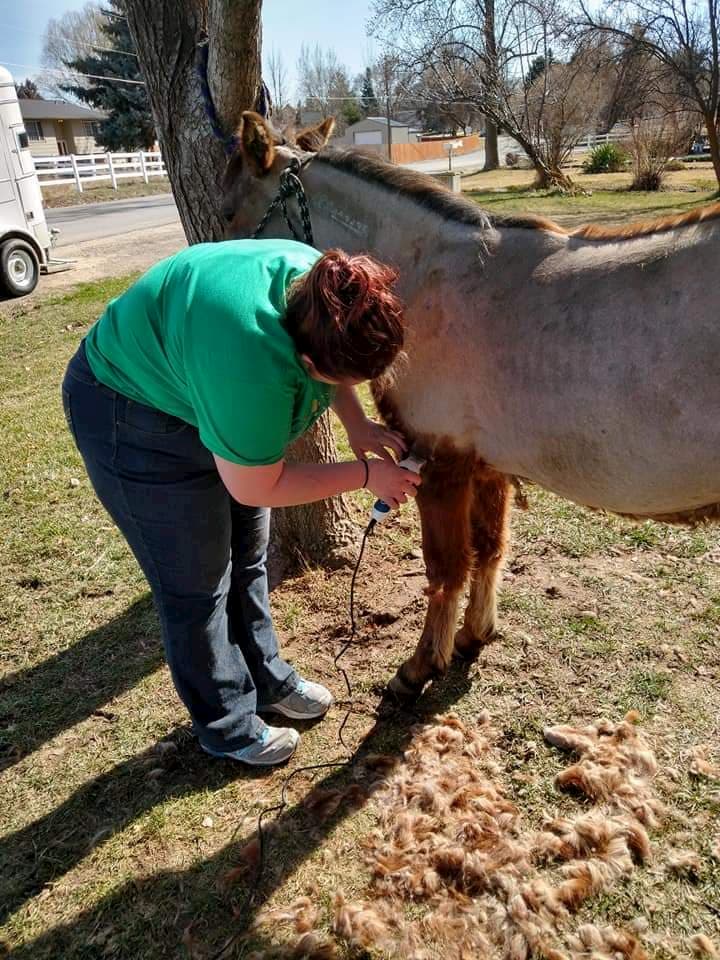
(444, 503)
(489, 522)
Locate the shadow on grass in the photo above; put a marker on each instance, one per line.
(38, 703)
(145, 918)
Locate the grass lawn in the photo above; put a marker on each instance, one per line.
(606, 196)
(67, 196)
(117, 833)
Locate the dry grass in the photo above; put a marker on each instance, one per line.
(67, 196)
(606, 197)
(118, 835)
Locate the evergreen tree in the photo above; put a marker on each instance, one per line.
(351, 112)
(27, 90)
(368, 100)
(129, 123)
(537, 68)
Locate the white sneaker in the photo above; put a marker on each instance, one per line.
(274, 745)
(308, 701)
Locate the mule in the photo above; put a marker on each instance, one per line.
(587, 361)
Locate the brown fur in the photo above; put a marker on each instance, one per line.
(464, 510)
(313, 138)
(257, 141)
(455, 873)
(444, 500)
(643, 228)
(489, 524)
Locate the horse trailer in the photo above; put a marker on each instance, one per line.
(25, 240)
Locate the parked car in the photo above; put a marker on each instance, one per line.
(700, 145)
(25, 240)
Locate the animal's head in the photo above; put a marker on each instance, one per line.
(252, 175)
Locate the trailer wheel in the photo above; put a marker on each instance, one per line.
(19, 268)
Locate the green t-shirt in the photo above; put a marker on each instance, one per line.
(200, 336)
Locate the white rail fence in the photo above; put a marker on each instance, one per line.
(79, 169)
(594, 139)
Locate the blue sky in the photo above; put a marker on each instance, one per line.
(287, 24)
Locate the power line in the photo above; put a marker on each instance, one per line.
(76, 73)
(77, 43)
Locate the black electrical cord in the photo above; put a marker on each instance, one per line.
(254, 888)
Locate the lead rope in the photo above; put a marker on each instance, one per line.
(290, 186)
(254, 888)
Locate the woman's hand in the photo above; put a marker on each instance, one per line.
(366, 436)
(391, 483)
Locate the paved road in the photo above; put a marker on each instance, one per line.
(94, 221)
(460, 163)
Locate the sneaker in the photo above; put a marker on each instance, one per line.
(308, 701)
(274, 745)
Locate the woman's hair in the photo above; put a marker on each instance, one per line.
(344, 316)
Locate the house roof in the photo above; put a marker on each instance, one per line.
(393, 123)
(57, 110)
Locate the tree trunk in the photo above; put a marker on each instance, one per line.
(714, 141)
(491, 131)
(166, 34)
(548, 178)
(492, 160)
(319, 532)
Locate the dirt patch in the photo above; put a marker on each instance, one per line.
(113, 256)
(109, 257)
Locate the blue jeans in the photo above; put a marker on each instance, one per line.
(203, 554)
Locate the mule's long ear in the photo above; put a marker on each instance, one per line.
(256, 141)
(313, 139)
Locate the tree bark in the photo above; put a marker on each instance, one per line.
(714, 141)
(321, 532)
(492, 160)
(166, 34)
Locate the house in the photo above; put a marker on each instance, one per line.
(372, 132)
(56, 127)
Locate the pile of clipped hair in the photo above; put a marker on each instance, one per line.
(455, 873)
(345, 316)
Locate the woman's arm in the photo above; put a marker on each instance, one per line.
(364, 435)
(289, 484)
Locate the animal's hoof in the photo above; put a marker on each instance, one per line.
(466, 655)
(468, 647)
(402, 690)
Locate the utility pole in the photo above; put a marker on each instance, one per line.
(387, 69)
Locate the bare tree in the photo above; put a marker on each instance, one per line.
(480, 54)
(277, 76)
(166, 35)
(561, 104)
(682, 37)
(70, 37)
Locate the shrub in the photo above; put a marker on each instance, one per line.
(606, 158)
(654, 142)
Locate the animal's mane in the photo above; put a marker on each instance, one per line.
(452, 207)
(421, 188)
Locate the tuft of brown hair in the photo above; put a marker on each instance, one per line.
(345, 316)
